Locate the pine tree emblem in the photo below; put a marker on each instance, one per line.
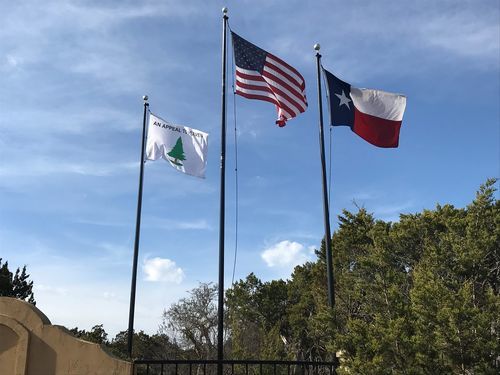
(177, 153)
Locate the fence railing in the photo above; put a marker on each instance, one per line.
(232, 367)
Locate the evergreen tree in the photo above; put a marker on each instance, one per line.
(420, 293)
(419, 296)
(257, 318)
(177, 152)
(97, 334)
(16, 285)
(156, 346)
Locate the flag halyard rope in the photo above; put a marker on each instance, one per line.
(236, 195)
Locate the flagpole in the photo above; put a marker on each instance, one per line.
(137, 234)
(326, 211)
(220, 310)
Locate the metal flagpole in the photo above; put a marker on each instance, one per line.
(326, 211)
(137, 234)
(220, 312)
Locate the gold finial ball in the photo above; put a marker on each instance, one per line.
(145, 97)
(224, 10)
(317, 47)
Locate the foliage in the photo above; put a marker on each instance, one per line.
(193, 321)
(16, 285)
(157, 346)
(97, 334)
(257, 318)
(419, 296)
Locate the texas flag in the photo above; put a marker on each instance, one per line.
(374, 115)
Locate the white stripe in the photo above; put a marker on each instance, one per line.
(292, 107)
(300, 102)
(298, 95)
(299, 79)
(256, 92)
(269, 95)
(282, 111)
(251, 82)
(282, 77)
(249, 72)
(378, 103)
(283, 100)
(272, 84)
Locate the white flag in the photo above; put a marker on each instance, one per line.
(184, 148)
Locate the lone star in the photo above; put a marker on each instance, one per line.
(343, 100)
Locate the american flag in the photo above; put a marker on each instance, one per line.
(263, 76)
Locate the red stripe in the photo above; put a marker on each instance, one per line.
(375, 130)
(254, 87)
(268, 87)
(284, 106)
(269, 90)
(275, 87)
(270, 100)
(279, 93)
(274, 90)
(285, 64)
(249, 76)
(295, 90)
(258, 97)
(297, 87)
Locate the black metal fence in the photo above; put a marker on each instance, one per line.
(232, 367)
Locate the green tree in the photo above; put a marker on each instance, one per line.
(16, 285)
(309, 330)
(257, 318)
(243, 318)
(418, 296)
(97, 334)
(177, 152)
(455, 298)
(156, 346)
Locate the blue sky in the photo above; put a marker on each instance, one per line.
(72, 77)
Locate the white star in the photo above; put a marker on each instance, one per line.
(343, 100)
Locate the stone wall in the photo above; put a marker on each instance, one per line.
(31, 345)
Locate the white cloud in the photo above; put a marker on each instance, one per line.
(162, 269)
(84, 39)
(44, 167)
(391, 212)
(363, 195)
(50, 290)
(285, 254)
(109, 295)
(198, 224)
(12, 61)
(78, 121)
(463, 36)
